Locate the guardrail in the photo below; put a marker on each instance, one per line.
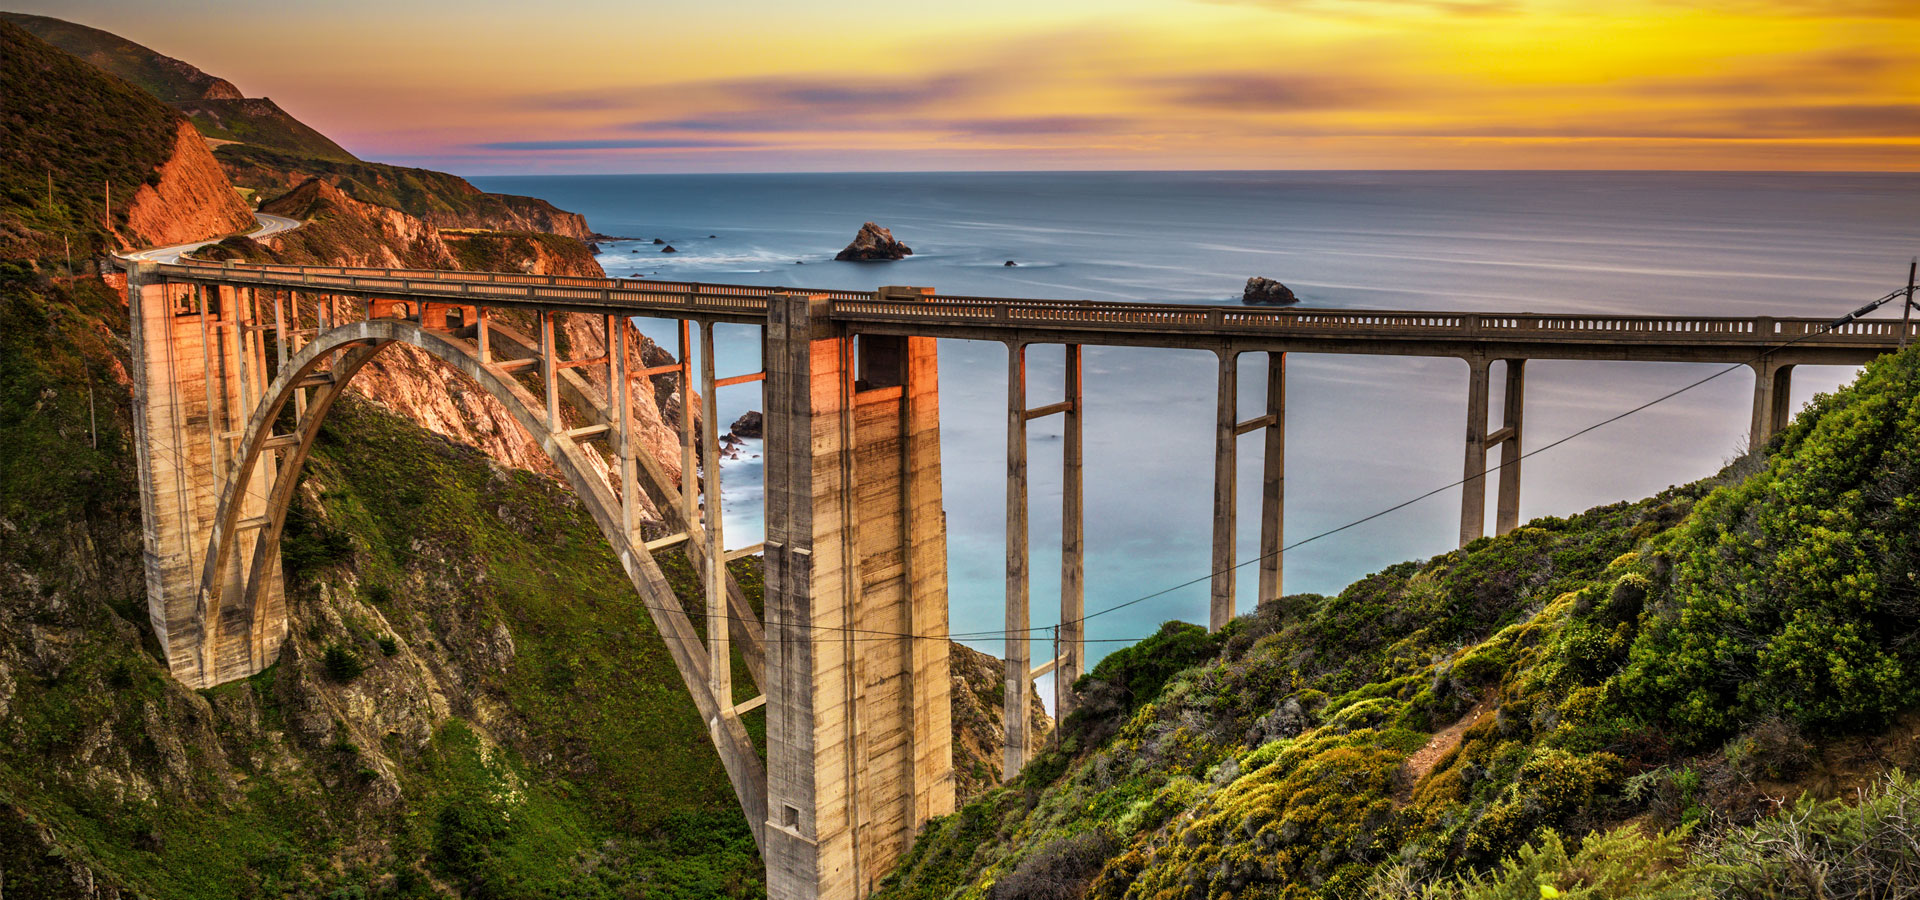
(681, 298)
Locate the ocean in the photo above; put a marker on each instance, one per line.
(1363, 433)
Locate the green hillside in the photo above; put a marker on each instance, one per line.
(214, 105)
(260, 122)
(447, 201)
(169, 79)
(1657, 675)
(69, 130)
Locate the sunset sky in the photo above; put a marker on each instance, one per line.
(482, 87)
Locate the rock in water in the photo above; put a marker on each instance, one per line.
(1009, 264)
(750, 425)
(872, 243)
(657, 242)
(1267, 290)
(668, 249)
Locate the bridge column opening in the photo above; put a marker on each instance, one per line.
(859, 747)
(1473, 501)
(1507, 511)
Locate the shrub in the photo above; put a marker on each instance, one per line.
(1613, 864)
(1826, 849)
(341, 664)
(1059, 870)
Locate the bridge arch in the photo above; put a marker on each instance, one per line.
(329, 363)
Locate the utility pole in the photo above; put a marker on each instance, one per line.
(49, 192)
(1906, 311)
(106, 210)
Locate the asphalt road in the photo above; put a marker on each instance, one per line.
(268, 225)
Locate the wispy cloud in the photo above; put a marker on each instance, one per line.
(614, 144)
(1260, 92)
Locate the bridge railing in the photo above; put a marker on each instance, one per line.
(678, 298)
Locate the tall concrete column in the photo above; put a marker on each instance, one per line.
(188, 395)
(1473, 500)
(1226, 438)
(1273, 483)
(1507, 513)
(1772, 401)
(1019, 652)
(1072, 635)
(859, 740)
(719, 651)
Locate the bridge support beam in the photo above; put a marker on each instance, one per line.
(1226, 442)
(859, 747)
(196, 378)
(1019, 643)
(1274, 483)
(1772, 401)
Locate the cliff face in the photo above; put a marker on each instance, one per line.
(979, 721)
(342, 231)
(190, 199)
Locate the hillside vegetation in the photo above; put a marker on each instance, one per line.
(70, 128)
(1656, 676)
(167, 79)
(446, 201)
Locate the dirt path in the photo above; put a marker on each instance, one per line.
(1444, 740)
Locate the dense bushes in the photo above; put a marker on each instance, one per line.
(1794, 590)
(1677, 661)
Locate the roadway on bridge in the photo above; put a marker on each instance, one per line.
(269, 225)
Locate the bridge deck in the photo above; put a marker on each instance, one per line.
(1378, 332)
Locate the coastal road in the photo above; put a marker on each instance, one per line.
(268, 225)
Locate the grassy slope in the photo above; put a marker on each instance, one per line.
(261, 122)
(1677, 662)
(253, 121)
(62, 117)
(560, 767)
(445, 200)
(169, 79)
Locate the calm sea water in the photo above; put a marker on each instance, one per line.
(1363, 433)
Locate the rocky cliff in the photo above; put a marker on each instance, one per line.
(187, 199)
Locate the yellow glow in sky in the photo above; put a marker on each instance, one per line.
(485, 87)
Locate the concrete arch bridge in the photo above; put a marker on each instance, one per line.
(850, 660)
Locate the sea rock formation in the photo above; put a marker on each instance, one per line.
(1267, 290)
(874, 243)
(188, 199)
(750, 425)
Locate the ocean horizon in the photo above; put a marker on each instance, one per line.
(1364, 433)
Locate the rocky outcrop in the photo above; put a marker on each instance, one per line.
(1267, 291)
(342, 231)
(979, 720)
(751, 425)
(874, 243)
(188, 198)
(529, 252)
